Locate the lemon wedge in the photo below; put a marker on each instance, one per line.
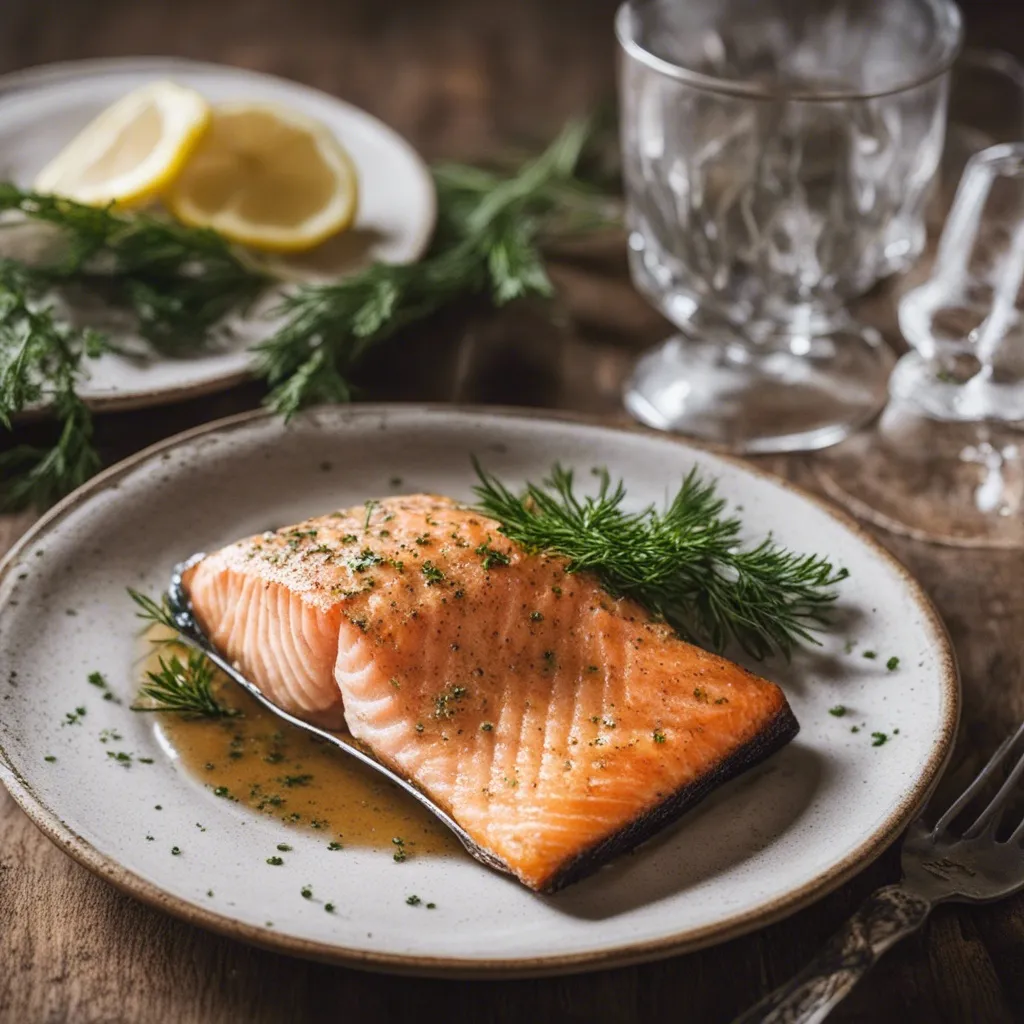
(133, 149)
(267, 177)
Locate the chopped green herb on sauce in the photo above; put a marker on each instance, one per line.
(839, 710)
(892, 664)
(878, 738)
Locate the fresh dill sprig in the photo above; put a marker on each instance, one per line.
(183, 687)
(487, 242)
(40, 361)
(685, 565)
(178, 281)
(155, 612)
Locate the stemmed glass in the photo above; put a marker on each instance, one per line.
(778, 156)
(945, 462)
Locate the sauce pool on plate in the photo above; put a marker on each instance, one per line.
(277, 770)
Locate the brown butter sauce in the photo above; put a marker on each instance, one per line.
(278, 770)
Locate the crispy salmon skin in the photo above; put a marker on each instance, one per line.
(558, 725)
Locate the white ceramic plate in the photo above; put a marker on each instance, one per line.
(762, 846)
(42, 108)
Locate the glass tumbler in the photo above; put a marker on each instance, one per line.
(778, 156)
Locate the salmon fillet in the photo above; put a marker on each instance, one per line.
(556, 724)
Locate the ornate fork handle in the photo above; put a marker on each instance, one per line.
(885, 917)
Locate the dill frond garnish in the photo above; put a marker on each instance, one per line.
(155, 612)
(184, 687)
(685, 564)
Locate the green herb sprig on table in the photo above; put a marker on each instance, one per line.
(179, 283)
(685, 564)
(39, 361)
(488, 242)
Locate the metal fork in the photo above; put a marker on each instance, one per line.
(939, 866)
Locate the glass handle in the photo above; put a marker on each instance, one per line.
(994, 331)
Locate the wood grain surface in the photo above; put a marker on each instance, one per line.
(464, 78)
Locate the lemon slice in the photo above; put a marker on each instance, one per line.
(132, 150)
(267, 177)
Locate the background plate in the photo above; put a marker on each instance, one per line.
(762, 846)
(41, 110)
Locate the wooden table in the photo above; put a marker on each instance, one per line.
(461, 78)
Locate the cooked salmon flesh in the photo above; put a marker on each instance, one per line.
(556, 724)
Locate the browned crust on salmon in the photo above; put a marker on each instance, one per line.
(776, 733)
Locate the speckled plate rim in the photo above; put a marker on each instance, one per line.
(686, 941)
(46, 74)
